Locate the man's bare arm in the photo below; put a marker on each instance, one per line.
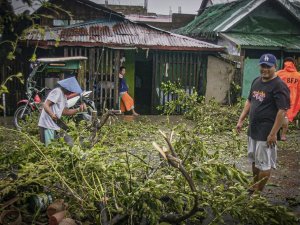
(243, 116)
(272, 138)
(70, 112)
(47, 108)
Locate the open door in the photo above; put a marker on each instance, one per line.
(143, 87)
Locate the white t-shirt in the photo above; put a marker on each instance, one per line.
(60, 102)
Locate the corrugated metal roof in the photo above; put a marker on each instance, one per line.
(145, 18)
(119, 33)
(221, 17)
(286, 42)
(204, 24)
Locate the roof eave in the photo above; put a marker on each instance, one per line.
(239, 15)
(51, 44)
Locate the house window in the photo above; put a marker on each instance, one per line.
(59, 23)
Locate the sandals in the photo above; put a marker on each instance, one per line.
(283, 138)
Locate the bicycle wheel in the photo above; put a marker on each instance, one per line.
(21, 116)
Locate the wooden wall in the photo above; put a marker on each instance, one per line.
(101, 74)
(187, 68)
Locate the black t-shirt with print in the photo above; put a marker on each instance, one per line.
(266, 99)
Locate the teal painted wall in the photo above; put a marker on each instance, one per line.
(251, 71)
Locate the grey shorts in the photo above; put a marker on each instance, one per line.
(263, 156)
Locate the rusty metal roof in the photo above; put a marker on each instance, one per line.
(118, 33)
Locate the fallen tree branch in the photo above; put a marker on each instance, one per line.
(172, 158)
(98, 124)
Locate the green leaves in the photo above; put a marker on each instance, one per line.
(3, 89)
(33, 58)
(11, 56)
(126, 173)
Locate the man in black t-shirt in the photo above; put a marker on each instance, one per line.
(267, 104)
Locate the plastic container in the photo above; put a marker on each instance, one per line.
(39, 202)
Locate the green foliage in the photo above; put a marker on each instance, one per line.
(209, 117)
(3, 88)
(181, 101)
(124, 175)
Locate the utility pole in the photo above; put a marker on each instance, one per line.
(146, 5)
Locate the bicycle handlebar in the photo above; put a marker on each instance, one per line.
(37, 90)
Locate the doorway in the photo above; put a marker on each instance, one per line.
(143, 87)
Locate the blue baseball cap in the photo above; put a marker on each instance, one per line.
(267, 59)
(70, 84)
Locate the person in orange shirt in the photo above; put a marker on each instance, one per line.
(291, 77)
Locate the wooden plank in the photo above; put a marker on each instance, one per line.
(202, 77)
(98, 75)
(160, 75)
(91, 83)
(87, 52)
(178, 66)
(116, 79)
(166, 78)
(153, 89)
(101, 79)
(190, 72)
(65, 51)
(110, 78)
(105, 78)
(182, 68)
(173, 66)
(187, 71)
(97, 64)
(198, 69)
(91, 66)
(194, 69)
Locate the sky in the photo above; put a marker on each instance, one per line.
(163, 6)
(156, 6)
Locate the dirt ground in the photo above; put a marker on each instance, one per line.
(284, 185)
(283, 188)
